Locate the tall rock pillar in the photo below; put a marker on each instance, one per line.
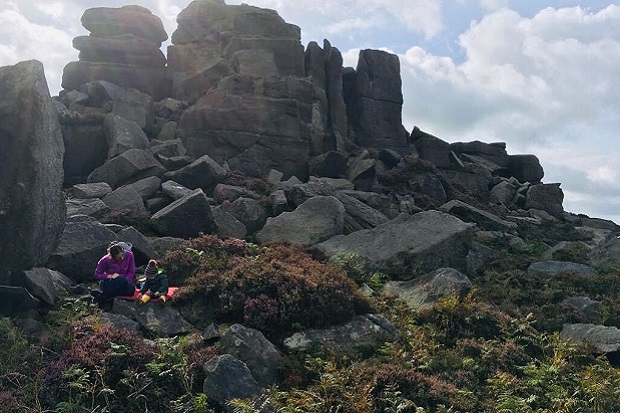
(32, 207)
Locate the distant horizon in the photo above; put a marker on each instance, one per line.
(539, 76)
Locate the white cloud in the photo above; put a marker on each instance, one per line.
(422, 17)
(519, 71)
(24, 40)
(53, 9)
(352, 25)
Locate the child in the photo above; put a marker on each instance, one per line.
(156, 284)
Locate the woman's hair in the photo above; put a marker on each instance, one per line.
(115, 249)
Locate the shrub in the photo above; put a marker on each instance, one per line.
(272, 290)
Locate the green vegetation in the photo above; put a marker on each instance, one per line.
(496, 350)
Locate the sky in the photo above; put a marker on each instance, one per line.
(542, 76)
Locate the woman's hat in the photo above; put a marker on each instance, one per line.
(151, 269)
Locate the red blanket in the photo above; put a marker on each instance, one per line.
(169, 294)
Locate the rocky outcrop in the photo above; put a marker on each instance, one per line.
(374, 102)
(123, 48)
(209, 35)
(32, 208)
(235, 123)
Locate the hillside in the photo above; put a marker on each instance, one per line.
(326, 259)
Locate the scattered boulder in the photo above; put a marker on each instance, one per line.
(484, 219)
(259, 354)
(228, 378)
(248, 211)
(87, 191)
(146, 187)
(46, 284)
(603, 339)
(81, 246)
(552, 269)
(228, 225)
(158, 319)
(119, 321)
(424, 292)
(122, 134)
(130, 166)
(125, 198)
(606, 253)
(316, 220)
(174, 190)
(186, 217)
(546, 197)
(363, 331)
(203, 173)
(409, 244)
(94, 207)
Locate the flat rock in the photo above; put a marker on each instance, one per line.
(409, 244)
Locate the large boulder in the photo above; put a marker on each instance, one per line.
(186, 217)
(408, 245)
(424, 292)
(49, 285)
(316, 220)
(32, 207)
(81, 246)
(259, 354)
(228, 378)
(203, 173)
(248, 211)
(107, 22)
(123, 49)
(130, 166)
(525, 168)
(546, 197)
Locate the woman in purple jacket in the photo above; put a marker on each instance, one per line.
(116, 271)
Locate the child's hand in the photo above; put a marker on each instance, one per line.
(139, 296)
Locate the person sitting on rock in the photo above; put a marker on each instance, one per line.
(116, 271)
(156, 284)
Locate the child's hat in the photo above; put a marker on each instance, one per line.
(151, 269)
